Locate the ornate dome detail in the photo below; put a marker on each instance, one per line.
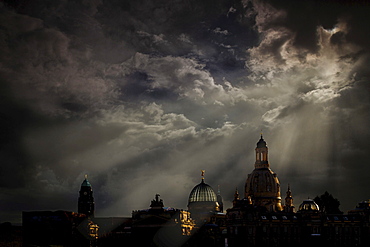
(202, 193)
(202, 202)
(263, 183)
(308, 205)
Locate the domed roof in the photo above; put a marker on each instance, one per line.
(263, 182)
(202, 193)
(308, 205)
(261, 143)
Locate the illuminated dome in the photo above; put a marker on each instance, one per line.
(202, 193)
(202, 202)
(263, 182)
(308, 205)
(262, 185)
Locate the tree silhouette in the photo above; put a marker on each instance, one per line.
(328, 204)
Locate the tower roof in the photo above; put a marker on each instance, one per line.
(86, 182)
(261, 143)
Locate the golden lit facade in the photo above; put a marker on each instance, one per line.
(262, 186)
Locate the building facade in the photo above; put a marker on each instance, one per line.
(256, 218)
(161, 226)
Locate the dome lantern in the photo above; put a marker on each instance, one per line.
(262, 185)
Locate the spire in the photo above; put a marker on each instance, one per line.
(236, 194)
(261, 143)
(220, 200)
(261, 154)
(289, 192)
(86, 182)
(202, 174)
(236, 197)
(289, 207)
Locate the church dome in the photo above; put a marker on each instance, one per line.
(202, 202)
(263, 182)
(308, 205)
(202, 193)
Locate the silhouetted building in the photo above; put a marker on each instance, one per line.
(86, 204)
(259, 219)
(60, 228)
(161, 226)
(114, 231)
(10, 235)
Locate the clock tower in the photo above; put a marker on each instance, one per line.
(86, 204)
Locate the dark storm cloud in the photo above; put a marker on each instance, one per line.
(312, 52)
(141, 95)
(303, 17)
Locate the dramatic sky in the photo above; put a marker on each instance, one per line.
(141, 95)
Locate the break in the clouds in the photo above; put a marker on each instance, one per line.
(142, 95)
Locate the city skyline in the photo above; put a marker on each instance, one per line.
(141, 96)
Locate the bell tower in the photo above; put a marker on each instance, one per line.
(261, 154)
(86, 204)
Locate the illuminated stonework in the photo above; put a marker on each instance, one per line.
(262, 185)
